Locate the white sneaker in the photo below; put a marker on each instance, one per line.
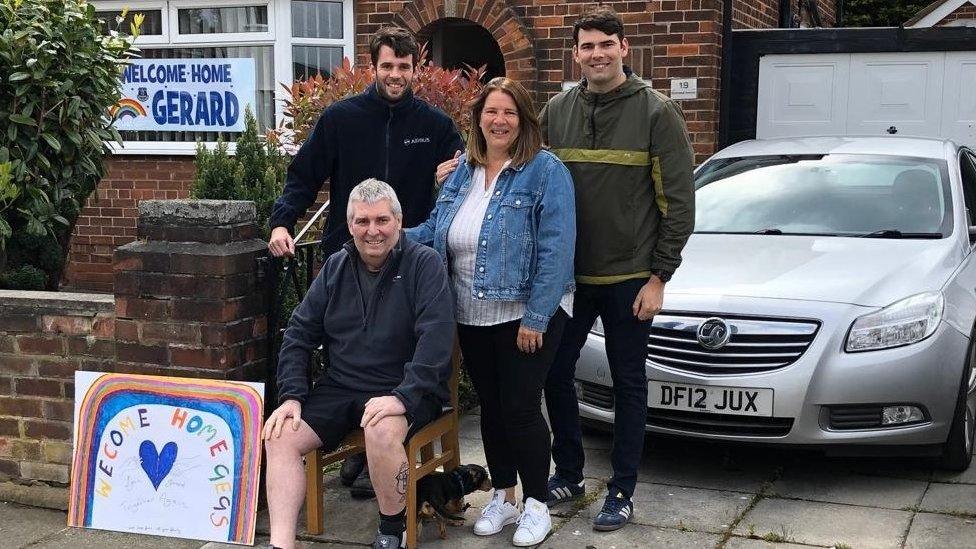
(496, 515)
(533, 525)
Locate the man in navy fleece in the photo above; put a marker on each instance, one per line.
(383, 309)
(384, 132)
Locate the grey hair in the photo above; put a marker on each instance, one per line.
(372, 191)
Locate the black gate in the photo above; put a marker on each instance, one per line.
(287, 282)
(740, 83)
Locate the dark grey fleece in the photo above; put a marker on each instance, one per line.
(401, 341)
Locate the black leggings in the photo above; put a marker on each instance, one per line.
(509, 385)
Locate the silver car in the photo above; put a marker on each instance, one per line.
(827, 298)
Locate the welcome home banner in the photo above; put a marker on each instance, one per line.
(185, 95)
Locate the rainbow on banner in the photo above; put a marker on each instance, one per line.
(104, 424)
(127, 107)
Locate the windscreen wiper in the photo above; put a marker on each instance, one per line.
(895, 233)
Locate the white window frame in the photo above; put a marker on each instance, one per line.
(279, 36)
(143, 6)
(223, 37)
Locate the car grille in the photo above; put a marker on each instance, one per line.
(756, 344)
(854, 417)
(719, 424)
(593, 394)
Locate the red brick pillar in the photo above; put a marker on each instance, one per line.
(188, 296)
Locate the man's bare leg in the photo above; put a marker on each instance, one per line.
(388, 463)
(285, 480)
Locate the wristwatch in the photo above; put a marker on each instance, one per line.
(663, 275)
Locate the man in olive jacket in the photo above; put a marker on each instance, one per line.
(627, 148)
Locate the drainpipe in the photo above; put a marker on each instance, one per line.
(839, 10)
(785, 14)
(725, 97)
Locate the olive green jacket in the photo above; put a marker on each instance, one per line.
(631, 160)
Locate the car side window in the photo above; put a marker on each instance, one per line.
(967, 167)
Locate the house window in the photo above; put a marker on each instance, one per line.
(223, 20)
(320, 30)
(287, 39)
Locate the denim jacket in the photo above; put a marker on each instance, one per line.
(528, 236)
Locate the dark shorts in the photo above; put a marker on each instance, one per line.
(332, 412)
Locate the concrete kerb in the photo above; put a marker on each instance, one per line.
(35, 495)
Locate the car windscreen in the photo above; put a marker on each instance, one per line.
(837, 194)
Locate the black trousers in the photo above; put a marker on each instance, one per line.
(626, 346)
(509, 385)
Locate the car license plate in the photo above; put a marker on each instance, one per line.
(743, 401)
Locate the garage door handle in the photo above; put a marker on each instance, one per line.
(892, 130)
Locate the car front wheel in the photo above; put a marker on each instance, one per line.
(957, 452)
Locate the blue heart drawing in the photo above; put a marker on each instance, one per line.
(157, 464)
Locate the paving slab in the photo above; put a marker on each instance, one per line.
(905, 468)
(84, 538)
(579, 533)
(747, 543)
(826, 524)
(681, 508)
(932, 531)
(965, 477)
(890, 493)
(469, 426)
(263, 541)
(954, 498)
(21, 525)
(709, 471)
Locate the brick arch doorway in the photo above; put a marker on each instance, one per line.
(454, 42)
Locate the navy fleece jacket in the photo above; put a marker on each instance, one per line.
(361, 137)
(400, 342)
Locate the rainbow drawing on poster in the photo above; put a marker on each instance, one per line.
(166, 456)
(127, 107)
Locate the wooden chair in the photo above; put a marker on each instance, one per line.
(421, 444)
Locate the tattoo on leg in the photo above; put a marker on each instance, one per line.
(401, 482)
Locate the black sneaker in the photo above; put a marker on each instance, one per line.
(351, 467)
(617, 511)
(561, 491)
(362, 487)
(387, 541)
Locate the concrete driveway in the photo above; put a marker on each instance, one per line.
(691, 494)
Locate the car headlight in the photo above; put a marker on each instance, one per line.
(902, 323)
(597, 327)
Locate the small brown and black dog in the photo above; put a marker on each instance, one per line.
(440, 496)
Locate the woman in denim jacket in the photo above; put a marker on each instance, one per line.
(505, 224)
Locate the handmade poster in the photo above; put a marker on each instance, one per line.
(185, 94)
(166, 456)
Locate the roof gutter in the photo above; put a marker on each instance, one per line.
(725, 96)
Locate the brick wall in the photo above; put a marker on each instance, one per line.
(966, 11)
(764, 14)
(756, 14)
(44, 339)
(189, 301)
(108, 219)
(668, 39)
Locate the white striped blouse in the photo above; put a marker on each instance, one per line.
(462, 249)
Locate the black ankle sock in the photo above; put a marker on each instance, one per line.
(393, 525)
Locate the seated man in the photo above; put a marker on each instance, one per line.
(382, 307)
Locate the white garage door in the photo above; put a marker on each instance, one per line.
(929, 94)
